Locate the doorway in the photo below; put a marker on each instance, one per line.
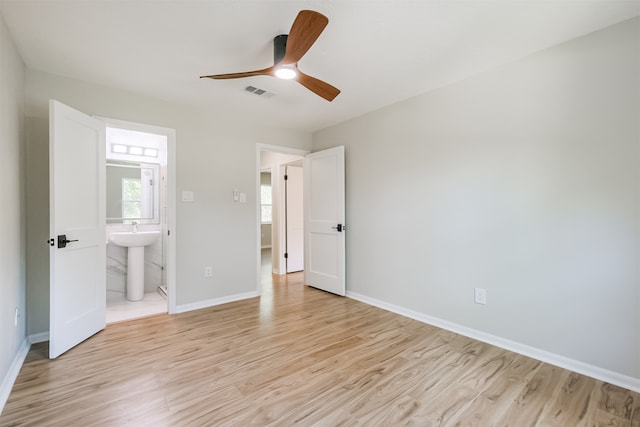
(139, 198)
(293, 217)
(275, 161)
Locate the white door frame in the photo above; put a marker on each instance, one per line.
(259, 149)
(170, 267)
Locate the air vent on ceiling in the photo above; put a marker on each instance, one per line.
(260, 92)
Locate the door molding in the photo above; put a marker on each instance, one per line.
(274, 149)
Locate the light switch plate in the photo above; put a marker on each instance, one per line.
(187, 196)
(243, 197)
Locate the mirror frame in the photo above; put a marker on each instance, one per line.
(155, 167)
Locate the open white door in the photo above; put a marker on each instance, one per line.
(324, 241)
(77, 225)
(294, 218)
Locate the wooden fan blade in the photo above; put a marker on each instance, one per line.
(305, 30)
(263, 72)
(318, 87)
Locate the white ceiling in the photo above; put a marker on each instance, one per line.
(376, 52)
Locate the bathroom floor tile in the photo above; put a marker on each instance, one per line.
(152, 303)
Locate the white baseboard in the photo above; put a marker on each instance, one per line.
(596, 372)
(12, 374)
(215, 301)
(41, 337)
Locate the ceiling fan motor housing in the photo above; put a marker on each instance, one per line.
(279, 47)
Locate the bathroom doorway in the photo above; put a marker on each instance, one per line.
(140, 178)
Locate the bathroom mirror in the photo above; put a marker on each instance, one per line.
(132, 192)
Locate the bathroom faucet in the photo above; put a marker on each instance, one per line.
(135, 226)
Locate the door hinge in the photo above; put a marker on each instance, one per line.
(286, 177)
(286, 255)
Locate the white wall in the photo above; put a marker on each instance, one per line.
(12, 211)
(213, 156)
(525, 181)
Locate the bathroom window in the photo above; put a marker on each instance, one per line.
(131, 198)
(265, 204)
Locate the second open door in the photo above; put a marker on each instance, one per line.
(324, 225)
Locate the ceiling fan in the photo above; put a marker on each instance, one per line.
(288, 50)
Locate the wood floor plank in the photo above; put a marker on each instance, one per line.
(570, 401)
(537, 393)
(492, 403)
(300, 356)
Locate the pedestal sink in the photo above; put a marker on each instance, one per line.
(135, 243)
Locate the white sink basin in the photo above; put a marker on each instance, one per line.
(135, 242)
(129, 239)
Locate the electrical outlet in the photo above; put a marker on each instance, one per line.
(208, 272)
(480, 295)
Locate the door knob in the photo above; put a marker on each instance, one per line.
(338, 227)
(62, 241)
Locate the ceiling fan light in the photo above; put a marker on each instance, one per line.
(286, 73)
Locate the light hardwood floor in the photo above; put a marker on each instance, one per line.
(299, 356)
